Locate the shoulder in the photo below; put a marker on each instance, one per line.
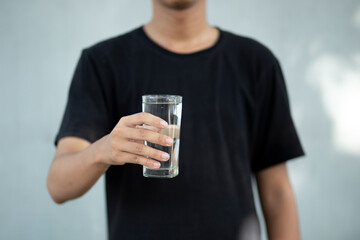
(249, 48)
(112, 47)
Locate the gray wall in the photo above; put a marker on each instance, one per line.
(317, 42)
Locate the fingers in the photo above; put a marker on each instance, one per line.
(139, 134)
(148, 127)
(126, 140)
(137, 159)
(143, 150)
(143, 118)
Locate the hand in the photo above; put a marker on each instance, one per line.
(125, 142)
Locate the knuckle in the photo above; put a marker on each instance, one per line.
(115, 155)
(121, 158)
(144, 114)
(123, 119)
(118, 131)
(139, 148)
(161, 138)
(140, 116)
(149, 163)
(158, 155)
(142, 133)
(136, 159)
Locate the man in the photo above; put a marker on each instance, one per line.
(236, 122)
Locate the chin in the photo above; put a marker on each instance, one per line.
(178, 4)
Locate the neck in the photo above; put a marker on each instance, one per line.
(181, 31)
(179, 25)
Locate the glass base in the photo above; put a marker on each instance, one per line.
(160, 173)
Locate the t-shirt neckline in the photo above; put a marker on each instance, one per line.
(165, 51)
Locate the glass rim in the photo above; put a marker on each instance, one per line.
(162, 98)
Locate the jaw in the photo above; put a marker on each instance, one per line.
(177, 4)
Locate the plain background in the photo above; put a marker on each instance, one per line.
(317, 43)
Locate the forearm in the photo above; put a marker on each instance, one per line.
(281, 216)
(78, 164)
(73, 174)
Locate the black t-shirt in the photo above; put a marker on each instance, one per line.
(235, 121)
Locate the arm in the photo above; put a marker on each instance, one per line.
(76, 167)
(78, 164)
(278, 203)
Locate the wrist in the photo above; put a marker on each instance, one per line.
(100, 153)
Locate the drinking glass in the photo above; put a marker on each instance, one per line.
(167, 107)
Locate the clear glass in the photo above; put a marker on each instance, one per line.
(169, 108)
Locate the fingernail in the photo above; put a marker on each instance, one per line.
(157, 164)
(162, 122)
(165, 155)
(169, 141)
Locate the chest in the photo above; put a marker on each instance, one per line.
(216, 92)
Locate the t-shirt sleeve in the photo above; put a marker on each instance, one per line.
(276, 139)
(86, 114)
